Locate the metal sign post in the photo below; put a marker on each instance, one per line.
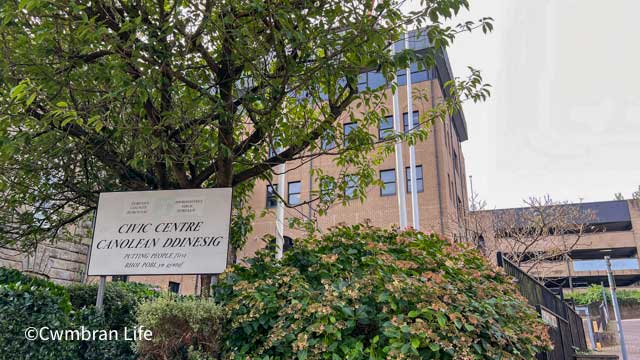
(100, 298)
(616, 309)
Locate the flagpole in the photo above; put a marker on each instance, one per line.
(280, 211)
(415, 209)
(397, 126)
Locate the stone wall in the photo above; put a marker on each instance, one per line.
(62, 262)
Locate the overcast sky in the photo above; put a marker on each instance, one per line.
(564, 114)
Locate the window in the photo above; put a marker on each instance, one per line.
(601, 265)
(348, 128)
(272, 199)
(386, 127)
(455, 161)
(295, 188)
(122, 278)
(362, 82)
(388, 178)
(288, 244)
(352, 185)
(416, 75)
(327, 190)
(174, 287)
(375, 80)
(328, 140)
(416, 121)
(419, 183)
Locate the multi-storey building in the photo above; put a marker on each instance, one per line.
(613, 230)
(442, 190)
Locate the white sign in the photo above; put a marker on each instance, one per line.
(161, 232)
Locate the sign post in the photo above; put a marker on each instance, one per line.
(100, 298)
(168, 232)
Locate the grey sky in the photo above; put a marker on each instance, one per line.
(564, 115)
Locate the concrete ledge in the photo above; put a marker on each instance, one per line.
(595, 357)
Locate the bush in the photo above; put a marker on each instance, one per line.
(27, 301)
(37, 304)
(183, 328)
(12, 276)
(593, 294)
(121, 300)
(363, 293)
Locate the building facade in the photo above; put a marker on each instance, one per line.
(614, 231)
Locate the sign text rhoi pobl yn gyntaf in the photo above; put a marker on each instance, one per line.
(161, 232)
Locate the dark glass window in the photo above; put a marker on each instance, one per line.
(327, 190)
(386, 127)
(352, 185)
(122, 278)
(376, 80)
(174, 287)
(416, 75)
(328, 140)
(388, 178)
(416, 121)
(288, 244)
(272, 199)
(295, 188)
(362, 82)
(420, 182)
(348, 128)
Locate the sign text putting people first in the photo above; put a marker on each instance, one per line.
(161, 232)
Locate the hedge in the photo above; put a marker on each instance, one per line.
(365, 293)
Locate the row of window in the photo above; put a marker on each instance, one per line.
(385, 129)
(374, 80)
(388, 178)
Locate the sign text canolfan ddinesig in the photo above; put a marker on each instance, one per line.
(161, 232)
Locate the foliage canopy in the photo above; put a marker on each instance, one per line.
(123, 95)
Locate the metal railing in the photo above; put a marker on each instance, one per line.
(565, 325)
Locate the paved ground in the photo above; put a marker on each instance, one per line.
(631, 337)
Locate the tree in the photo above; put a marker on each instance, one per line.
(116, 95)
(634, 196)
(531, 236)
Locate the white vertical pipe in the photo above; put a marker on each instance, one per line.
(415, 210)
(616, 309)
(397, 126)
(280, 211)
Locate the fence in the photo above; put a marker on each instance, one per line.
(565, 325)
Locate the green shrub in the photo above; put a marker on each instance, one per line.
(12, 276)
(121, 300)
(24, 305)
(593, 294)
(27, 301)
(183, 328)
(363, 293)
